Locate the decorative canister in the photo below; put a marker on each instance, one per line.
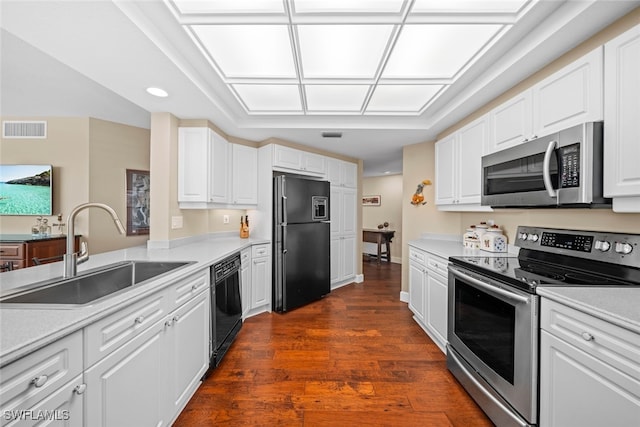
(493, 240)
(470, 238)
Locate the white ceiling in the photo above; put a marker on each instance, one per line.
(385, 73)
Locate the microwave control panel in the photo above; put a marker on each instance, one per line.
(569, 165)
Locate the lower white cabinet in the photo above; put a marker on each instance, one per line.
(428, 294)
(589, 370)
(260, 277)
(46, 383)
(126, 387)
(245, 281)
(343, 259)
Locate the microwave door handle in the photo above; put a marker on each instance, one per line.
(546, 169)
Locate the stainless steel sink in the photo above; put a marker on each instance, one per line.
(91, 286)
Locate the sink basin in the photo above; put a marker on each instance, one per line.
(91, 286)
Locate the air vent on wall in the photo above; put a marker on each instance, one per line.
(24, 129)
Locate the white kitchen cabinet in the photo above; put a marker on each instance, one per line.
(291, 159)
(343, 210)
(341, 173)
(459, 167)
(49, 379)
(417, 282)
(245, 281)
(260, 278)
(589, 370)
(511, 123)
(343, 260)
(568, 97)
(110, 397)
(202, 167)
(212, 173)
(244, 175)
(622, 121)
(187, 351)
(435, 305)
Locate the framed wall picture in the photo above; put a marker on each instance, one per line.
(138, 208)
(371, 200)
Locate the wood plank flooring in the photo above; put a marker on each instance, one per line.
(354, 358)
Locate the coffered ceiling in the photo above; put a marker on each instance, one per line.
(384, 73)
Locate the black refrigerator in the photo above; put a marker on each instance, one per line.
(301, 234)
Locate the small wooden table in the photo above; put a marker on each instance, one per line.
(380, 237)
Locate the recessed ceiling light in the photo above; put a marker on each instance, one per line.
(156, 91)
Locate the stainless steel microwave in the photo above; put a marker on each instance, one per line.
(563, 169)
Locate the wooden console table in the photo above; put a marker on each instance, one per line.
(25, 250)
(381, 237)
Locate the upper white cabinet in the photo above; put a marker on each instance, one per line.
(511, 122)
(571, 96)
(244, 175)
(341, 173)
(213, 173)
(291, 159)
(622, 121)
(459, 167)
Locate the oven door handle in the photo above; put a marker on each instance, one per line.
(485, 286)
(546, 169)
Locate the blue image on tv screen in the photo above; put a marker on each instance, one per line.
(25, 190)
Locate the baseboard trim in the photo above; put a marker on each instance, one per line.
(404, 296)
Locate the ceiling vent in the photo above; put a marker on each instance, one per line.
(24, 129)
(332, 134)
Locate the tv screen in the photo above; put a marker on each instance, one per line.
(25, 190)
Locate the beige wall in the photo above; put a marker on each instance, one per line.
(389, 187)
(89, 159)
(419, 164)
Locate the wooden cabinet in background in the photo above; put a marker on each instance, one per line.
(27, 251)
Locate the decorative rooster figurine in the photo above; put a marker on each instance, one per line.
(417, 198)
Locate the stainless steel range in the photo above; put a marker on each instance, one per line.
(493, 328)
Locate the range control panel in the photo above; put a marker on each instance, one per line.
(617, 248)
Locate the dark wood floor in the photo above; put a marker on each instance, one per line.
(354, 358)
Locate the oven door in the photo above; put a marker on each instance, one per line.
(493, 327)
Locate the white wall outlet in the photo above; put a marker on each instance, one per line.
(225, 219)
(176, 222)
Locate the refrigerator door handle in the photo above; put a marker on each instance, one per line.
(284, 239)
(284, 209)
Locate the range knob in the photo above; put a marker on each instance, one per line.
(533, 237)
(602, 245)
(623, 248)
(523, 236)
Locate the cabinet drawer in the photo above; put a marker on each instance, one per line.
(109, 334)
(418, 256)
(437, 265)
(11, 251)
(609, 343)
(26, 381)
(188, 288)
(260, 250)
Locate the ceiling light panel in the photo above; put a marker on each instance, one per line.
(348, 6)
(269, 98)
(342, 51)
(230, 6)
(335, 97)
(401, 98)
(436, 51)
(468, 6)
(244, 51)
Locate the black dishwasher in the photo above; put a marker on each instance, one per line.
(226, 307)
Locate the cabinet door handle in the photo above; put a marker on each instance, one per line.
(168, 323)
(139, 319)
(194, 287)
(40, 380)
(176, 318)
(79, 389)
(587, 336)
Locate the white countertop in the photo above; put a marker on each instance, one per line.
(25, 330)
(620, 306)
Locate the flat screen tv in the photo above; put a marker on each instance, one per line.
(25, 190)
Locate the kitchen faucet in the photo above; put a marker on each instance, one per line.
(70, 257)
